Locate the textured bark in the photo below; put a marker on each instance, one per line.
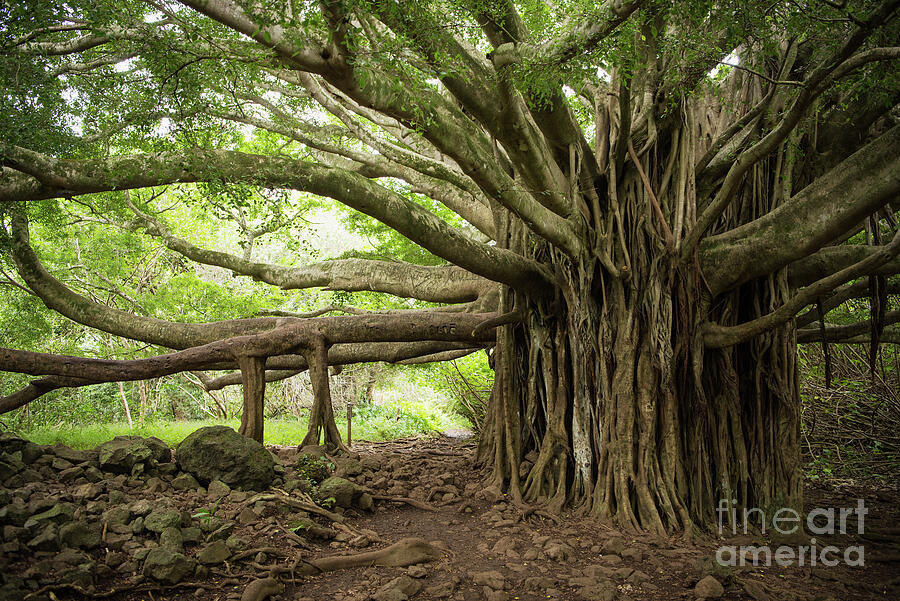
(322, 428)
(252, 417)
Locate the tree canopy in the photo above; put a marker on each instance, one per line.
(627, 202)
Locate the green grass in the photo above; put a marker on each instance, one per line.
(393, 419)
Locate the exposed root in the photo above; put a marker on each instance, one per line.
(296, 504)
(406, 552)
(254, 551)
(262, 588)
(407, 500)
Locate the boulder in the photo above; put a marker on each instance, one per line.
(214, 553)
(80, 534)
(73, 456)
(167, 566)
(185, 481)
(121, 454)
(220, 453)
(160, 519)
(709, 588)
(341, 490)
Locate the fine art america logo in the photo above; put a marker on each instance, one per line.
(786, 521)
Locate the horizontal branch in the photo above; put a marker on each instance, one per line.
(859, 289)
(717, 336)
(832, 204)
(279, 368)
(836, 333)
(834, 258)
(51, 178)
(291, 337)
(439, 284)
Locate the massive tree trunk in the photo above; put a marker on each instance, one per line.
(607, 397)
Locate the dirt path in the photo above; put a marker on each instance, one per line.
(489, 549)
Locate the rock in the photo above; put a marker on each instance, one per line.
(60, 464)
(341, 490)
(314, 450)
(222, 532)
(613, 546)
(170, 538)
(214, 553)
(366, 502)
(398, 589)
(160, 519)
(536, 583)
(218, 489)
(121, 454)
(73, 456)
(87, 492)
(82, 576)
(709, 588)
(492, 595)
(60, 513)
(10, 465)
(558, 551)
(141, 507)
(220, 453)
(167, 566)
(491, 579)
(80, 535)
(756, 591)
(417, 571)
(46, 540)
(633, 554)
(185, 481)
(247, 516)
(347, 466)
(117, 516)
(491, 494)
(191, 535)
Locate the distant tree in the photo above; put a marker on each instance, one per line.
(630, 202)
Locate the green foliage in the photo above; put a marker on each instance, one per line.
(315, 469)
(467, 382)
(205, 514)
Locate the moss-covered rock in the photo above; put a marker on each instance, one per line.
(122, 453)
(341, 490)
(220, 453)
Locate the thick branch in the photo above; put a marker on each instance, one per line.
(834, 258)
(66, 177)
(440, 284)
(582, 37)
(815, 216)
(859, 289)
(288, 338)
(846, 333)
(716, 336)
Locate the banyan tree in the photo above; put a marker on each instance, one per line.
(631, 203)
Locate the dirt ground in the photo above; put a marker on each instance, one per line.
(492, 550)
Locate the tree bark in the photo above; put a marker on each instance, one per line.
(321, 414)
(253, 378)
